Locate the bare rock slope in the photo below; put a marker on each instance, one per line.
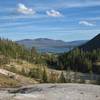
(52, 92)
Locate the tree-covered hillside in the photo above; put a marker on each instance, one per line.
(83, 59)
(12, 49)
(79, 60)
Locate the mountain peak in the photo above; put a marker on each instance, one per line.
(42, 39)
(97, 36)
(92, 44)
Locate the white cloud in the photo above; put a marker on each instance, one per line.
(25, 10)
(53, 13)
(86, 23)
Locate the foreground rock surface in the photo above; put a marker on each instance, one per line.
(52, 92)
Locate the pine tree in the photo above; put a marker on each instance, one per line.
(62, 78)
(68, 76)
(45, 76)
(53, 77)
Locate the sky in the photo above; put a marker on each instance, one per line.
(66, 20)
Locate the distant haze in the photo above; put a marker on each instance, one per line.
(50, 45)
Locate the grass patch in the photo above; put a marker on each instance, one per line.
(7, 82)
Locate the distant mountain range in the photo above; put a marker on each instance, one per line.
(91, 45)
(50, 45)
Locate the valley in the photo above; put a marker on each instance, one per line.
(44, 45)
(49, 49)
(28, 74)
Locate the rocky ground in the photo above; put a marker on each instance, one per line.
(52, 92)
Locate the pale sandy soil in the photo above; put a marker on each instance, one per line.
(53, 92)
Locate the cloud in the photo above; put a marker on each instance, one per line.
(77, 3)
(53, 13)
(86, 23)
(25, 10)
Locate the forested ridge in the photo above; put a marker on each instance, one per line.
(91, 45)
(12, 49)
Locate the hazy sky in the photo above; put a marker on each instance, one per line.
(57, 19)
